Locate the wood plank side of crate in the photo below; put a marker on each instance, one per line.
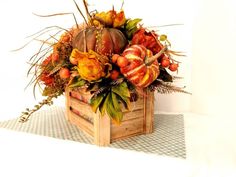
(83, 124)
(68, 111)
(84, 108)
(102, 130)
(132, 114)
(127, 128)
(133, 121)
(148, 112)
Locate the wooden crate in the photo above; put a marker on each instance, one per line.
(137, 121)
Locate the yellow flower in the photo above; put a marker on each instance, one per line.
(106, 18)
(91, 66)
(110, 18)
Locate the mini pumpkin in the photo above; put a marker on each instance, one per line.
(138, 71)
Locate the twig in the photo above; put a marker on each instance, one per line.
(80, 12)
(87, 11)
(26, 115)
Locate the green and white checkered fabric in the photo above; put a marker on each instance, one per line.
(167, 139)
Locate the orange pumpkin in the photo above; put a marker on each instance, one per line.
(104, 41)
(138, 72)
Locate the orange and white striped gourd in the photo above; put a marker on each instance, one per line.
(140, 71)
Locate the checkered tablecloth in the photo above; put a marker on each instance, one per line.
(167, 139)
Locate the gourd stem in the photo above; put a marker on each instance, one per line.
(150, 60)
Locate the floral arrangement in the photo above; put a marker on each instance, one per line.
(114, 57)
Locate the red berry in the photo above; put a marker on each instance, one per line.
(64, 73)
(165, 62)
(114, 58)
(47, 60)
(114, 74)
(47, 80)
(55, 57)
(66, 38)
(173, 67)
(122, 61)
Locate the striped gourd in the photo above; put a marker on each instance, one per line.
(138, 71)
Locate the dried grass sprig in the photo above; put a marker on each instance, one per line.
(51, 15)
(28, 112)
(42, 31)
(81, 13)
(35, 38)
(86, 9)
(167, 25)
(59, 14)
(107, 87)
(166, 88)
(35, 59)
(177, 53)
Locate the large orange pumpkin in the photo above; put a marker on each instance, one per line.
(137, 71)
(104, 41)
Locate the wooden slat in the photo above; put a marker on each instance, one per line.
(127, 128)
(148, 112)
(102, 130)
(134, 105)
(68, 115)
(82, 107)
(82, 96)
(81, 114)
(124, 137)
(133, 114)
(83, 124)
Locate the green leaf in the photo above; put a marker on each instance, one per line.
(77, 82)
(131, 32)
(104, 104)
(131, 27)
(92, 87)
(132, 24)
(115, 101)
(96, 101)
(121, 89)
(111, 106)
(48, 91)
(112, 112)
(123, 92)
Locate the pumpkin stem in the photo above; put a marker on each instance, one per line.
(150, 60)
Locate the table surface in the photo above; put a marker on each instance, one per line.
(210, 149)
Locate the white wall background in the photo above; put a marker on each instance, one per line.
(213, 58)
(199, 44)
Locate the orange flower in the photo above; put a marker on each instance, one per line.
(147, 39)
(110, 18)
(119, 19)
(91, 66)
